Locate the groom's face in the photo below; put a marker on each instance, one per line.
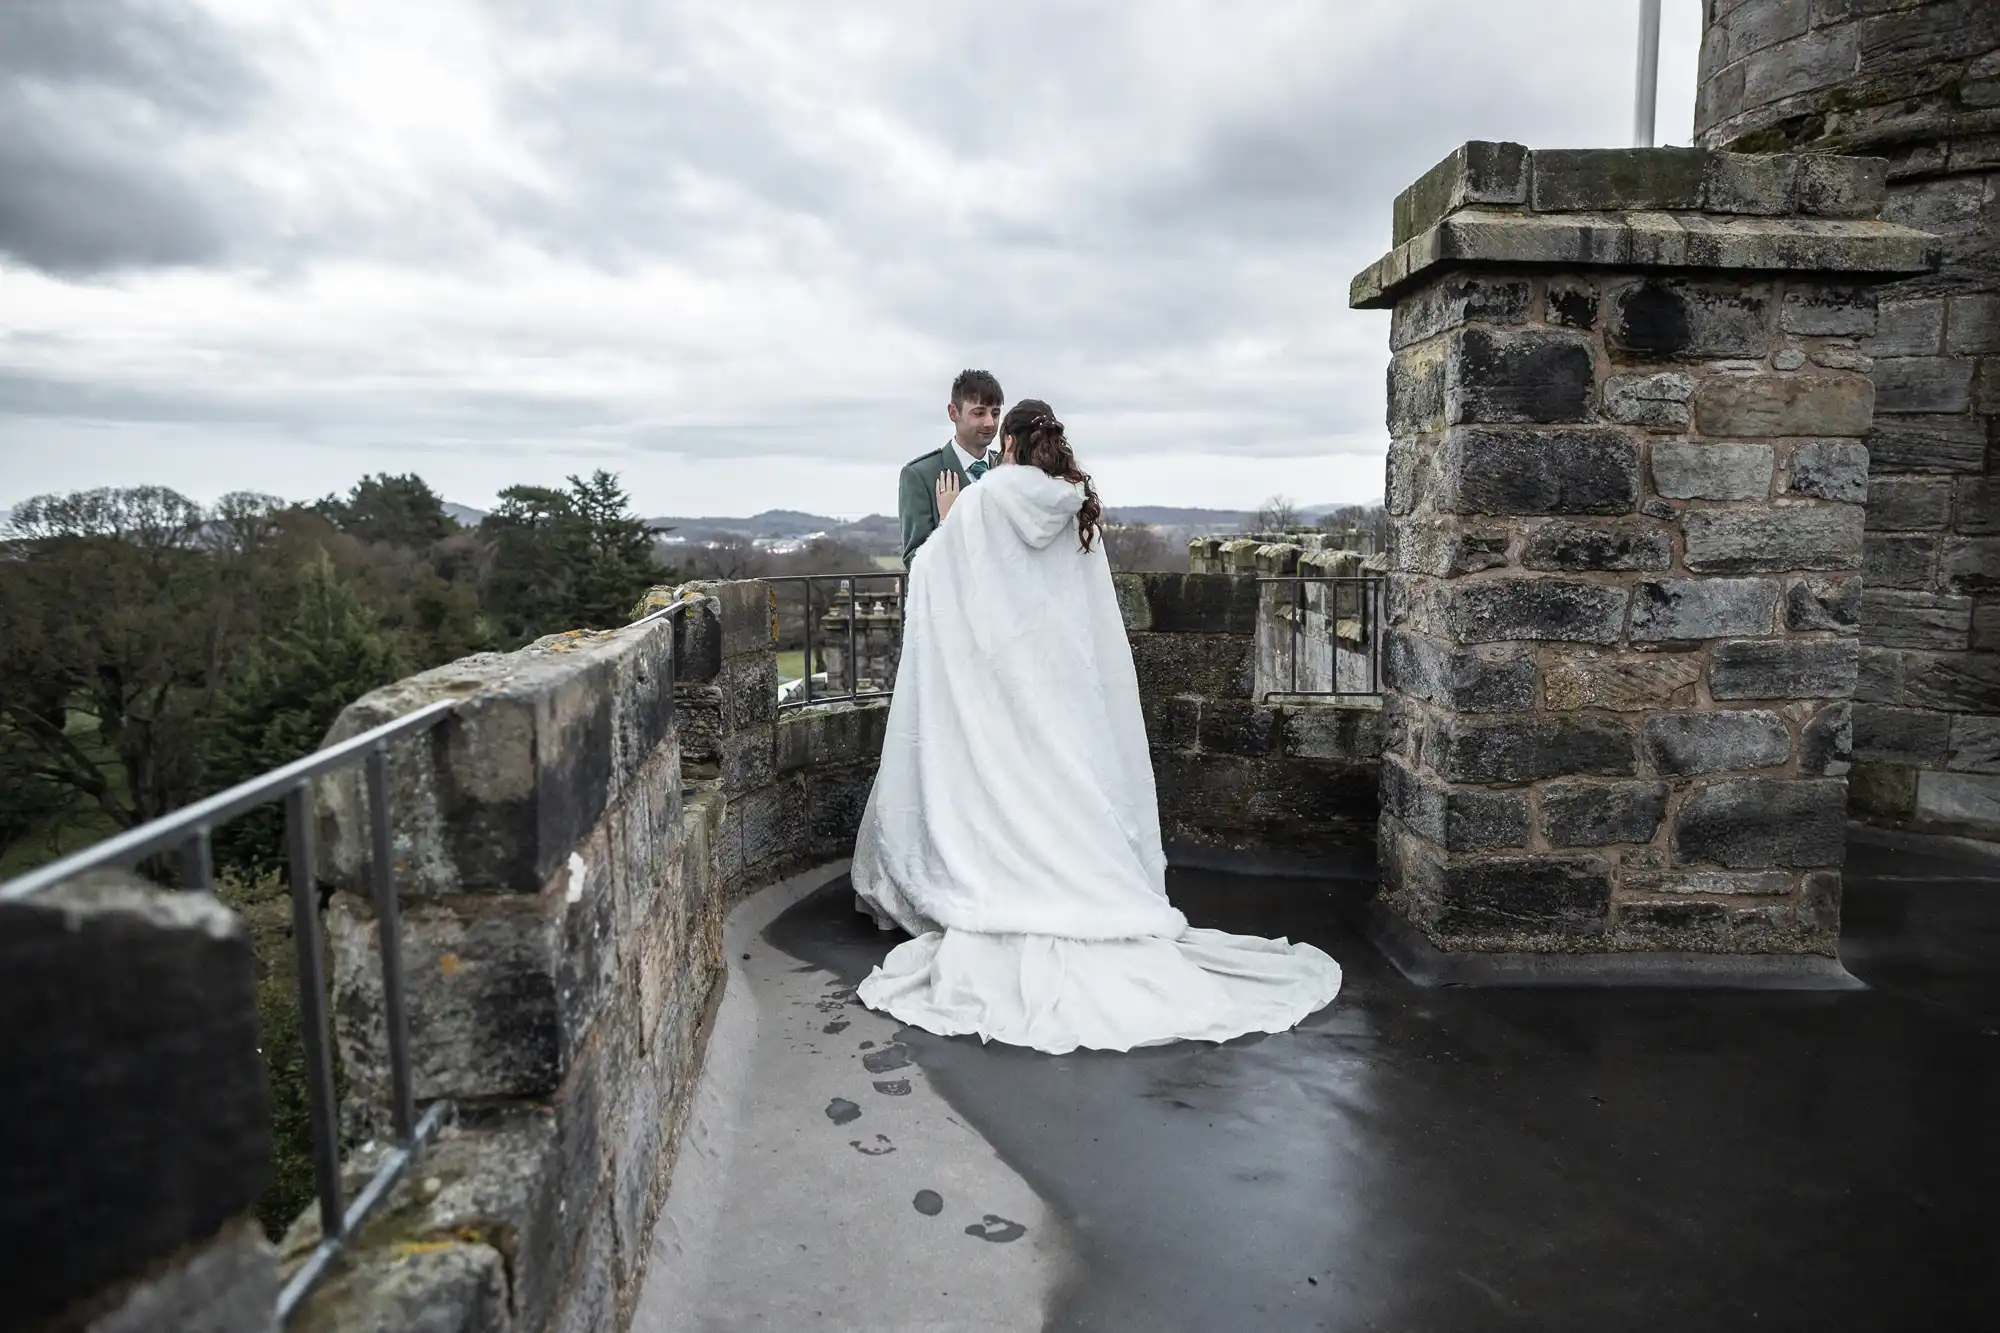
(977, 424)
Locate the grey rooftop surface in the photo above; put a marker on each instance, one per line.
(1410, 1158)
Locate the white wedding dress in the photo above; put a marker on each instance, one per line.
(1014, 830)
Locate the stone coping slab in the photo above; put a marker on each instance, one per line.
(1643, 240)
(1427, 965)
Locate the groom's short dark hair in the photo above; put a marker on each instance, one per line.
(976, 386)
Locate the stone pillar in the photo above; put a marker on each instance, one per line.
(136, 1114)
(1625, 491)
(1916, 82)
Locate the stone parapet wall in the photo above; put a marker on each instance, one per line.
(1293, 780)
(135, 1113)
(1626, 539)
(1916, 82)
(569, 841)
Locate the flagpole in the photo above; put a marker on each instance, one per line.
(1647, 97)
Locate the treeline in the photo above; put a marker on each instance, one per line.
(154, 650)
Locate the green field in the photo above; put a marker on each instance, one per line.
(791, 665)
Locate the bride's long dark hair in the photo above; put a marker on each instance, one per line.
(1039, 442)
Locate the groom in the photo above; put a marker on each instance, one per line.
(930, 481)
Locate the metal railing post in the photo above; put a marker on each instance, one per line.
(389, 929)
(312, 1009)
(1646, 96)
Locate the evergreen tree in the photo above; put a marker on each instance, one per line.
(285, 694)
(563, 560)
(402, 511)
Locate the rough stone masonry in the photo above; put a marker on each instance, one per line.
(1626, 482)
(1916, 83)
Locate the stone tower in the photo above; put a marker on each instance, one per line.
(1915, 82)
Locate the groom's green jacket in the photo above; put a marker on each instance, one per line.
(916, 495)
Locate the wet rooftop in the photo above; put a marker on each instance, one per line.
(1409, 1158)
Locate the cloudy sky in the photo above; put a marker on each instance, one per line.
(735, 250)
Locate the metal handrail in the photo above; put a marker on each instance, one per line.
(1369, 614)
(187, 832)
(849, 586)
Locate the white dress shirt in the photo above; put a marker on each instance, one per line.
(965, 460)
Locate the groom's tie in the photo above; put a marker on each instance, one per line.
(979, 469)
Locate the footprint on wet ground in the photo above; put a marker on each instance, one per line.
(880, 1148)
(894, 1087)
(997, 1228)
(893, 1056)
(836, 1028)
(928, 1202)
(841, 1111)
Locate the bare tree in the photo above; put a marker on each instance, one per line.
(1136, 548)
(1278, 514)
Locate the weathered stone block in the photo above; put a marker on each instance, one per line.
(1455, 301)
(1826, 741)
(1616, 179)
(1672, 610)
(1923, 384)
(1539, 376)
(1783, 669)
(1762, 184)
(1218, 666)
(1842, 187)
(1172, 722)
(1474, 749)
(1518, 899)
(1751, 823)
(1967, 801)
(836, 799)
(1464, 680)
(1899, 560)
(1895, 619)
(1239, 727)
(1823, 602)
(1572, 303)
(1684, 744)
(1657, 402)
(1900, 735)
(1459, 818)
(1541, 472)
(1920, 443)
(1975, 745)
(1974, 324)
(1815, 311)
(496, 795)
(1970, 564)
(1187, 603)
(1675, 318)
(1742, 541)
(1910, 504)
(1473, 173)
(228, 1284)
(1595, 814)
(1685, 470)
(1762, 405)
(1630, 683)
(1722, 883)
(1445, 547)
(1613, 546)
(1975, 507)
(1829, 470)
(1332, 731)
(1417, 376)
(137, 1114)
(1505, 610)
(1908, 328)
(1887, 791)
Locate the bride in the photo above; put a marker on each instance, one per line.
(1013, 829)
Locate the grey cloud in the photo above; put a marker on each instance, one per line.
(94, 103)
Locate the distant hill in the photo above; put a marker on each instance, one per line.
(464, 515)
